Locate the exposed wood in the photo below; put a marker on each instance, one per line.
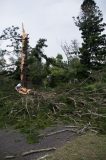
(23, 65)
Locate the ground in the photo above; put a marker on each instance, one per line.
(13, 143)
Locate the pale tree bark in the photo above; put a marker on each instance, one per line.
(23, 65)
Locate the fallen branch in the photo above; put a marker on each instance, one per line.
(56, 132)
(5, 97)
(94, 131)
(26, 106)
(71, 126)
(97, 94)
(70, 118)
(58, 105)
(75, 104)
(45, 156)
(37, 151)
(95, 114)
(92, 99)
(10, 157)
(85, 128)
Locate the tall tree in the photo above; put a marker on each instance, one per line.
(90, 23)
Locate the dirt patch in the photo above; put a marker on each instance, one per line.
(14, 143)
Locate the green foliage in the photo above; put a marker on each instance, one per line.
(36, 69)
(57, 76)
(93, 50)
(75, 69)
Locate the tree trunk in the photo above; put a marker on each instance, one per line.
(23, 66)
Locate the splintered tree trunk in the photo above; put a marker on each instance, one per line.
(23, 66)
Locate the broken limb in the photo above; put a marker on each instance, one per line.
(43, 157)
(10, 157)
(57, 132)
(37, 151)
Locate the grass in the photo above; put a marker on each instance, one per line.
(86, 147)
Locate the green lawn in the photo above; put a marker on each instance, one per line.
(86, 147)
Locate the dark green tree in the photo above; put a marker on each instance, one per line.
(90, 23)
(59, 59)
(35, 65)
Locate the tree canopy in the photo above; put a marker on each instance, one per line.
(90, 23)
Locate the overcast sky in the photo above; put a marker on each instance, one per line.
(50, 19)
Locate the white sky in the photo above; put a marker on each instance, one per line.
(50, 19)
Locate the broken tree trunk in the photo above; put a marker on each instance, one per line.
(23, 66)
